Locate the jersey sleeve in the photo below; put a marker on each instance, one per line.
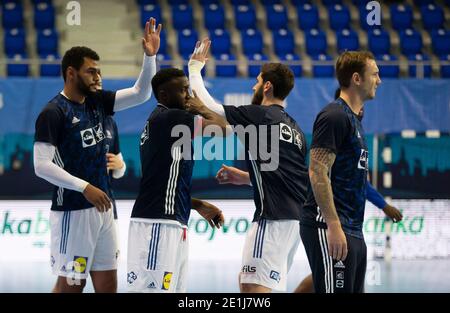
(108, 98)
(330, 130)
(245, 115)
(49, 126)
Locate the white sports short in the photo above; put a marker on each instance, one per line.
(269, 249)
(83, 241)
(157, 256)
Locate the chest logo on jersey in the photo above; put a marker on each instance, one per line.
(92, 135)
(363, 163)
(285, 133)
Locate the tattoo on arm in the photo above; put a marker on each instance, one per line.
(321, 161)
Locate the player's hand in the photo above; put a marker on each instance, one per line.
(97, 197)
(393, 213)
(201, 51)
(337, 242)
(232, 175)
(113, 162)
(151, 39)
(194, 104)
(211, 213)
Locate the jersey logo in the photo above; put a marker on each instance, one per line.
(92, 136)
(145, 134)
(297, 139)
(75, 120)
(87, 137)
(363, 163)
(285, 133)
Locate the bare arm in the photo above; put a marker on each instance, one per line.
(321, 161)
(209, 212)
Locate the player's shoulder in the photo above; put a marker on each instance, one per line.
(333, 112)
(58, 105)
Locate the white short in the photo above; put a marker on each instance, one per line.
(83, 241)
(269, 249)
(157, 257)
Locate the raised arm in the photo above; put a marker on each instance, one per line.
(196, 64)
(321, 161)
(141, 91)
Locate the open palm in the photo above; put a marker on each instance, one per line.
(151, 39)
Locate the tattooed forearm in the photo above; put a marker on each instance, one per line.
(321, 161)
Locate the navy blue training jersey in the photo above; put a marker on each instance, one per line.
(77, 132)
(338, 129)
(279, 193)
(165, 187)
(112, 146)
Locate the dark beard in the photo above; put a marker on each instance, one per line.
(258, 96)
(83, 88)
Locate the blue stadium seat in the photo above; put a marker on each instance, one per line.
(221, 42)
(255, 69)
(283, 42)
(323, 70)
(387, 70)
(270, 2)
(414, 70)
(347, 39)
(44, 16)
(360, 3)
(363, 15)
(329, 3)
(276, 16)
(35, 2)
(187, 39)
(420, 3)
(432, 16)
(146, 2)
(148, 11)
(339, 16)
(163, 43)
(410, 41)
(300, 2)
(445, 69)
(240, 2)
(316, 42)
(12, 15)
(226, 70)
(14, 41)
(401, 16)
(162, 59)
(440, 41)
(182, 17)
(53, 70)
(177, 2)
(47, 41)
(379, 41)
(292, 57)
(214, 16)
(252, 41)
(245, 17)
(17, 69)
(308, 16)
(208, 2)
